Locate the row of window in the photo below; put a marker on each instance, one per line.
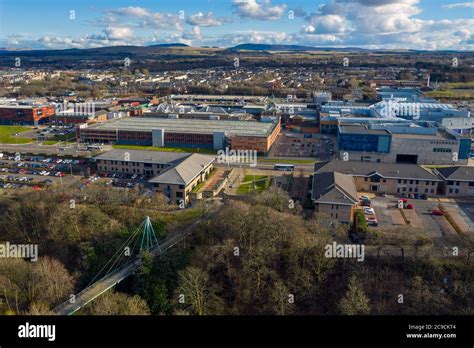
(415, 190)
(442, 149)
(457, 183)
(439, 142)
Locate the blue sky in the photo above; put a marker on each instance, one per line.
(421, 24)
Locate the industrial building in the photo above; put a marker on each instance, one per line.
(68, 118)
(421, 143)
(160, 132)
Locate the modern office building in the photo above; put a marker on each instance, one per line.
(147, 163)
(211, 134)
(173, 174)
(457, 181)
(25, 114)
(335, 195)
(385, 177)
(177, 182)
(421, 143)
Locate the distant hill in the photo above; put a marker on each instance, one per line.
(289, 48)
(176, 44)
(266, 47)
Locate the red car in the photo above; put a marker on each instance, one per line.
(409, 206)
(437, 212)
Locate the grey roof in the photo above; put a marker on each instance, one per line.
(360, 129)
(333, 187)
(143, 156)
(460, 173)
(386, 170)
(185, 171)
(147, 124)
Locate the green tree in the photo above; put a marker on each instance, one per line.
(354, 302)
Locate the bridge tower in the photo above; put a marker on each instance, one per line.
(149, 240)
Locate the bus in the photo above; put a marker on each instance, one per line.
(284, 167)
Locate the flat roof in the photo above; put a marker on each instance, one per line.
(147, 124)
(437, 136)
(143, 156)
(356, 129)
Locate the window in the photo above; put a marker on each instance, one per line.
(399, 181)
(384, 180)
(410, 189)
(416, 189)
(471, 183)
(366, 179)
(456, 191)
(426, 190)
(450, 190)
(411, 182)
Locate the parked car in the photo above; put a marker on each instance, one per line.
(404, 195)
(417, 196)
(424, 196)
(364, 198)
(372, 221)
(437, 212)
(410, 206)
(369, 211)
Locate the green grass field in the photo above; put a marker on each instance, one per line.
(247, 185)
(7, 132)
(71, 137)
(166, 149)
(50, 142)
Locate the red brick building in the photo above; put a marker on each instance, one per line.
(25, 114)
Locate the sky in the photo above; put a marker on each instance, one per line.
(390, 24)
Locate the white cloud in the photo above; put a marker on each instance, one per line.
(460, 5)
(118, 33)
(204, 20)
(262, 10)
